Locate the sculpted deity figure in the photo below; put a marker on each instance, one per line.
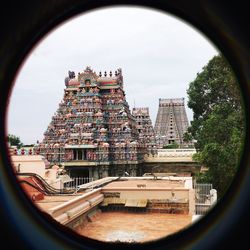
(71, 74)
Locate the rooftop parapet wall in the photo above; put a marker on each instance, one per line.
(176, 153)
(169, 158)
(172, 156)
(74, 208)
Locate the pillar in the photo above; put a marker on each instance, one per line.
(105, 172)
(95, 173)
(133, 170)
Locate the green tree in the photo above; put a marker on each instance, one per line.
(171, 146)
(14, 141)
(218, 122)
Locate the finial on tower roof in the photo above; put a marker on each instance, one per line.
(116, 73)
(110, 73)
(71, 74)
(100, 74)
(105, 73)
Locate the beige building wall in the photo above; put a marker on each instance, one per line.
(191, 201)
(154, 194)
(176, 194)
(29, 164)
(35, 164)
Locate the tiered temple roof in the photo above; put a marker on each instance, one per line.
(93, 122)
(171, 122)
(145, 129)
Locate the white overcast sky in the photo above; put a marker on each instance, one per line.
(158, 53)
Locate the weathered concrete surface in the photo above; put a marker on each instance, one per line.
(133, 227)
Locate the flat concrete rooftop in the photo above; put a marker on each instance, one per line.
(133, 227)
(119, 225)
(145, 183)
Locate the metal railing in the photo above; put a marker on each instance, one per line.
(75, 182)
(205, 197)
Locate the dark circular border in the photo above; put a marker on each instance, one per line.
(23, 24)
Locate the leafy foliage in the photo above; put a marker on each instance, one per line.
(14, 141)
(171, 146)
(218, 124)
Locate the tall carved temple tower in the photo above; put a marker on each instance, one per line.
(171, 122)
(93, 127)
(145, 129)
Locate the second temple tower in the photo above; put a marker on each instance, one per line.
(171, 122)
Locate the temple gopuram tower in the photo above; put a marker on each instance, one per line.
(171, 122)
(145, 130)
(93, 131)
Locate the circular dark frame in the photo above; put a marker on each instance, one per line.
(23, 24)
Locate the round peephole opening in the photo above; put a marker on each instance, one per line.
(125, 125)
